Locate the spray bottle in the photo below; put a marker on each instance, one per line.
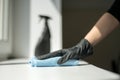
(43, 45)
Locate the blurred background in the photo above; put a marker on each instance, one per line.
(71, 20)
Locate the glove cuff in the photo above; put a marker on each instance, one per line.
(85, 47)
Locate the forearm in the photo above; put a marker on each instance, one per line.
(105, 25)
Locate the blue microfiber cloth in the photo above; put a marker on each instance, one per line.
(51, 62)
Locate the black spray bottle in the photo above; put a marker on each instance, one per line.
(43, 45)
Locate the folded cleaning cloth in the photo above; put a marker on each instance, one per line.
(51, 62)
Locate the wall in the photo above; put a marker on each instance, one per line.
(21, 27)
(79, 16)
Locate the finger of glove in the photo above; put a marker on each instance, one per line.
(65, 58)
(50, 55)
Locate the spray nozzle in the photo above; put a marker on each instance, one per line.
(44, 17)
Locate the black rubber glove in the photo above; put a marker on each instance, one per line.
(80, 51)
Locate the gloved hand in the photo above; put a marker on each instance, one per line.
(79, 51)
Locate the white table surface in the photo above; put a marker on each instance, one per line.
(17, 69)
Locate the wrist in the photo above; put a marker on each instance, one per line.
(90, 41)
(85, 48)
